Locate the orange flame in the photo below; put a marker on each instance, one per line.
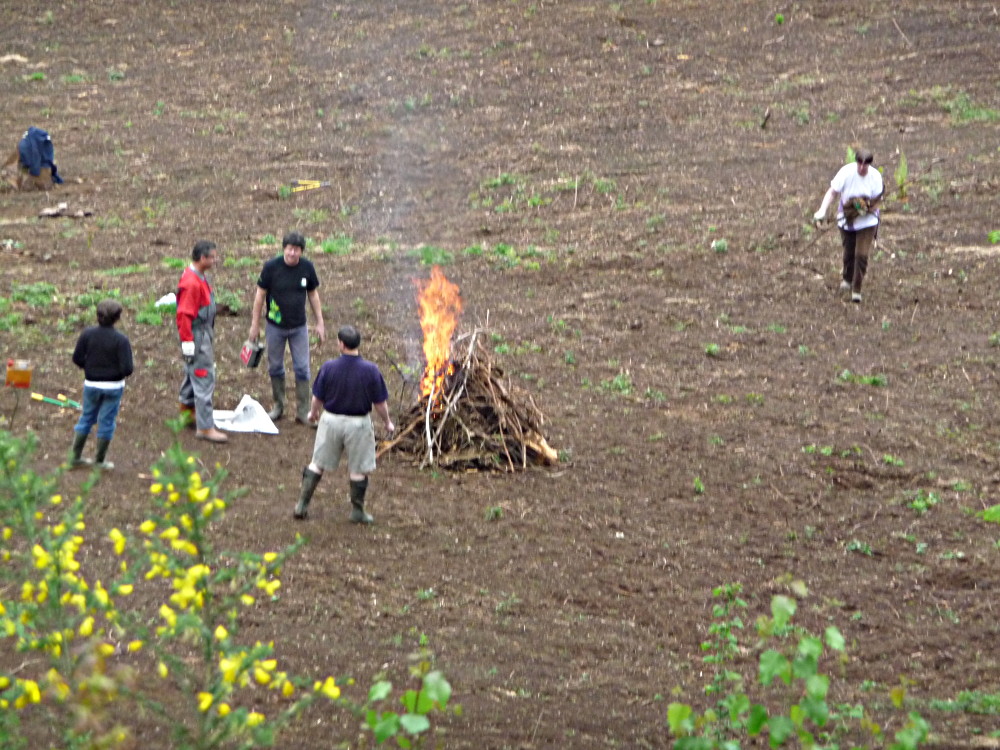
(440, 306)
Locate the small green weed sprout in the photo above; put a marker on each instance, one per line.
(699, 486)
(339, 245)
(494, 513)
(877, 381)
(620, 384)
(712, 350)
(922, 500)
(720, 246)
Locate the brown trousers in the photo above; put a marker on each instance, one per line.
(19, 178)
(856, 245)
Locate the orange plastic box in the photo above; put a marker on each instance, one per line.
(18, 373)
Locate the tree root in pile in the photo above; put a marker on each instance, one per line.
(481, 421)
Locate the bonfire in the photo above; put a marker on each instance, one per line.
(466, 415)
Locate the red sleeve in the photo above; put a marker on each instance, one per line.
(188, 303)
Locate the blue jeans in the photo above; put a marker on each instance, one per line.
(298, 344)
(100, 407)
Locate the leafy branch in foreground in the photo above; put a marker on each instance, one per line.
(171, 608)
(793, 691)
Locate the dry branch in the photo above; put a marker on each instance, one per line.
(477, 419)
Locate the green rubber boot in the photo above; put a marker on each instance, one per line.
(303, 399)
(76, 459)
(278, 394)
(309, 481)
(99, 458)
(358, 490)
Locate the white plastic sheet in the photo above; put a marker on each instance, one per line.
(248, 416)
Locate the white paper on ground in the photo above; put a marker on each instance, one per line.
(248, 416)
(166, 299)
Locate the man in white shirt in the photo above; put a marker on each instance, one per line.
(857, 190)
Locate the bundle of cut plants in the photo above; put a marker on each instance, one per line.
(470, 416)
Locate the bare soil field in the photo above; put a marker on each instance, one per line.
(622, 192)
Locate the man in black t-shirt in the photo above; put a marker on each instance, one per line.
(285, 283)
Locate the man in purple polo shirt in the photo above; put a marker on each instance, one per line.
(346, 390)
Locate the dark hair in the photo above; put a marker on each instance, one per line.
(863, 156)
(349, 336)
(108, 312)
(294, 238)
(201, 249)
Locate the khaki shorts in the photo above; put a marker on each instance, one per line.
(337, 433)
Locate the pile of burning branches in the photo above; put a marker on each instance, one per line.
(468, 414)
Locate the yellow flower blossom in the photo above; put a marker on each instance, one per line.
(156, 473)
(247, 599)
(261, 676)
(270, 556)
(156, 488)
(55, 499)
(105, 649)
(161, 669)
(8, 532)
(100, 594)
(119, 540)
(254, 718)
(4, 682)
(205, 701)
(269, 586)
(125, 589)
(221, 633)
(200, 494)
(3, 609)
(224, 709)
(59, 529)
(269, 664)
(134, 646)
(42, 558)
(28, 591)
(87, 627)
(31, 693)
(147, 527)
(58, 684)
(328, 688)
(172, 533)
(79, 526)
(168, 614)
(288, 689)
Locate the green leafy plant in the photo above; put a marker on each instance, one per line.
(339, 245)
(184, 623)
(712, 350)
(901, 175)
(620, 384)
(428, 255)
(699, 486)
(792, 690)
(922, 500)
(877, 381)
(38, 294)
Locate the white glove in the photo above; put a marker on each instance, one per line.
(820, 215)
(187, 349)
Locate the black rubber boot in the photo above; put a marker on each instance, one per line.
(76, 458)
(358, 490)
(278, 394)
(303, 399)
(309, 481)
(99, 458)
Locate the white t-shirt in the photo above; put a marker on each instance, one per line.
(850, 184)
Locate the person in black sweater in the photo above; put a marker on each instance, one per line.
(105, 356)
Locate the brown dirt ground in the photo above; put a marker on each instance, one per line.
(572, 619)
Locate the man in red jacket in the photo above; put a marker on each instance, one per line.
(196, 326)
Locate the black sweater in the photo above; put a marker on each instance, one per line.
(104, 354)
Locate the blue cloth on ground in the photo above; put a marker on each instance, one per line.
(37, 152)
